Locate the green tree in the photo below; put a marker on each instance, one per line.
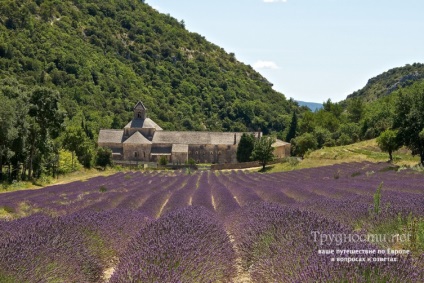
(355, 108)
(351, 131)
(103, 157)
(303, 143)
(263, 150)
(67, 163)
(388, 142)
(17, 148)
(334, 108)
(293, 128)
(409, 119)
(307, 123)
(163, 160)
(327, 120)
(73, 138)
(323, 136)
(8, 132)
(245, 147)
(45, 120)
(76, 141)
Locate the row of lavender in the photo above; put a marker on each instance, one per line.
(196, 216)
(273, 243)
(156, 193)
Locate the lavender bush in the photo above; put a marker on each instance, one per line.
(187, 245)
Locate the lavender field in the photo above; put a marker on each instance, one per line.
(215, 227)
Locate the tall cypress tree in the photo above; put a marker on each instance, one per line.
(293, 128)
(245, 147)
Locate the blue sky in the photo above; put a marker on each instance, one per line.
(310, 50)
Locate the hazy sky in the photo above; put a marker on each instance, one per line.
(310, 50)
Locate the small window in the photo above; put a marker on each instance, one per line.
(211, 152)
(197, 152)
(219, 152)
(135, 154)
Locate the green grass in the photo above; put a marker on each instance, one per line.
(4, 278)
(357, 152)
(81, 175)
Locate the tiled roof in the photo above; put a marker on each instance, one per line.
(111, 136)
(176, 137)
(137, 138)
(143, 123)
(279, 143)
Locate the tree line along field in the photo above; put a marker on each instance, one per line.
(214, 226)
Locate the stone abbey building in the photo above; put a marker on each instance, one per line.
(143, 140)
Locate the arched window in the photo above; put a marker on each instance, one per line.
(136, 154)
(211, 152)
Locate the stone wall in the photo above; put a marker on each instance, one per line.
(281, 151)
(229, 166)
(213, 153)
(137, 152)
(179, 157)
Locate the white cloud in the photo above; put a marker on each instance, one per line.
(265, 65)
(274, 1)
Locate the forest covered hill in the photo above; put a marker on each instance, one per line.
(70, 68)
(104, 56)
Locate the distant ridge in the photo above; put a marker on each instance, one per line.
(311, 105)
(389, 81)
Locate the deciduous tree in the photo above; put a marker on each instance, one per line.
(388, 142)
(263, 150)
(409, 119)
(303, 143)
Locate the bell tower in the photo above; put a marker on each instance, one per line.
(140, 111)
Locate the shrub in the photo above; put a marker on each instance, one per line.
(163, 161)
(68, 162)
(103, 157)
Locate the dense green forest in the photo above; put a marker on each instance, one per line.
(99, 58)
(104, 56)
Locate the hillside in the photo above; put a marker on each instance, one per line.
(103, 56)
(364, 151)
(390, 81)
